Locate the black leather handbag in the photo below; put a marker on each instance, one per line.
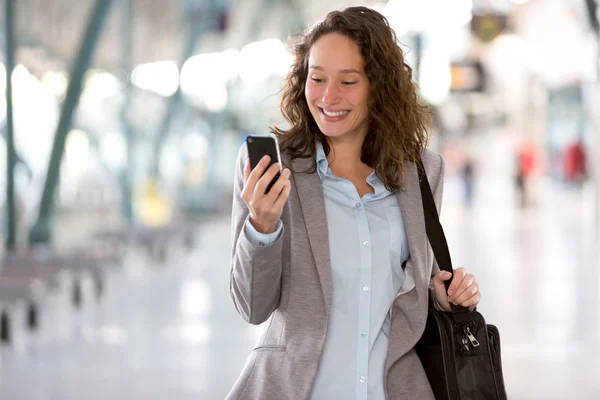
(459, 351)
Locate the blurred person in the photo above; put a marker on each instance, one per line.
(336, 255)
(467, 177)
(574, 162)
(520, 183)
(528, 164)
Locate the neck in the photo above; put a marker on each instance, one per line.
(345, 154)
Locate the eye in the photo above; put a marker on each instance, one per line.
(349, 83)
(316, 80)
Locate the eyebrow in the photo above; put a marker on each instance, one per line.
(343, 71)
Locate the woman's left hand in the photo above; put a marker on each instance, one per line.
(463, 291)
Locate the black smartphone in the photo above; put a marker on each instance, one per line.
(260, 146)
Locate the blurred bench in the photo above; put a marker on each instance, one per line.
(27, 278)
(18, 292)
(156, 241)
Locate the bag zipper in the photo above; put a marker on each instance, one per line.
(470, 336)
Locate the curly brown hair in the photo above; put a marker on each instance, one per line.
(398, 119)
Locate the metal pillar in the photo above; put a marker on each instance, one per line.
(126, 66)
(418, 53)
(18, 158)
(295, 23)
(597, 137)
(218, 121)
(199, 20)
(595, 151)
(596, 165)
(41, 231)
(11, 228)
(262, 13)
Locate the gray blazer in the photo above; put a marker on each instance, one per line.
(289, 284)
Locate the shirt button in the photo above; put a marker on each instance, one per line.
(366, 243)
(363, 379)
(261, 243)
(358, 205)
(365, 288)
(363, 334)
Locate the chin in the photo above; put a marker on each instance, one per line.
(331, 132)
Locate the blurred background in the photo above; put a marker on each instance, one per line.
(120, 123)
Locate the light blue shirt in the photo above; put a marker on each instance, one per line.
(368, 246)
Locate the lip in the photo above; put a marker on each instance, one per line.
(333, 119)
(332, 110)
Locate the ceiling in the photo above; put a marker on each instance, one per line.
(49, 32)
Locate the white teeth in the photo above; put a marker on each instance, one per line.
(335, 114)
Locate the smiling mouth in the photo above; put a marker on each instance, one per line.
(334, 114)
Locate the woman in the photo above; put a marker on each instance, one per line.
(335, 256)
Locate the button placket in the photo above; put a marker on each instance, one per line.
(364, 289)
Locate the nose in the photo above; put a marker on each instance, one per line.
(331, 95)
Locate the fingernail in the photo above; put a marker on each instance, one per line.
(450, 292)
(265, 159)
(449, 300)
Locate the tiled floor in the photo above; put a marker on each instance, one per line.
(172, 332)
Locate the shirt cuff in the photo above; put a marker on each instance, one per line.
(262, 239)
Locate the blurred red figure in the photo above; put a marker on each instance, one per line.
(574, 162)
(528, 163)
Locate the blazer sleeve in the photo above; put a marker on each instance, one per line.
(255, 276)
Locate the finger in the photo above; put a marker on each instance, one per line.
(257, 172)
(464, 285)
(278, 186)
(247, 170)
(263, 182)
(439, 288)
(466, 294)
(458, 276)
(283, 196)
(472, 302)
(441, 277)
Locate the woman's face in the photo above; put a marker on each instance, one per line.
(337, 87)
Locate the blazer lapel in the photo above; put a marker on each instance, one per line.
(410, 311)
(312, 202)
(411, 205)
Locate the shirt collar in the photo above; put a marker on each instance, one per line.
(323, 169)
(322, 163)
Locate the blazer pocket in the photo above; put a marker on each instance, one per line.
(270, 347)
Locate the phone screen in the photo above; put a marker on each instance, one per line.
(260, 146)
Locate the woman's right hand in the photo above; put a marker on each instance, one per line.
(265, 209)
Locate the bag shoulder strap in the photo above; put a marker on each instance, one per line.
(437, 238)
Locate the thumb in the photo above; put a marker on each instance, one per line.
(440, 278)
(439, 289)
